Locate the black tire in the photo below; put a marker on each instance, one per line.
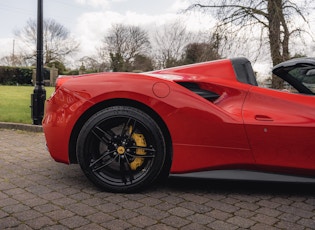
(122, 149)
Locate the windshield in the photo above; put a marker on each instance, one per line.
(305, 76)
(299, 73)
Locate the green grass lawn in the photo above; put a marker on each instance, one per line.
(15, 103)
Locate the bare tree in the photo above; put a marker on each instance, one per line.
(123, 43)
(94, 64)
(57, 40)
(170, 43)
(143, 63)
(13, 60)
(203, 50)
(273, 17)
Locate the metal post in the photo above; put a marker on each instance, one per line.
(39, 96)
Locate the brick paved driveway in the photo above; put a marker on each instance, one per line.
(37, 193)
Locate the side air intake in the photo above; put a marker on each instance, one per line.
(208, 95)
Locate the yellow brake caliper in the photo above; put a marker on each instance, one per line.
(140, 141)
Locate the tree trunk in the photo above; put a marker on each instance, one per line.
(274, 18)
(286, 36)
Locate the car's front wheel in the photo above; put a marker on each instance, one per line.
(122, 149)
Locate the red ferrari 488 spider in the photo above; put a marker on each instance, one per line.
(129, 130)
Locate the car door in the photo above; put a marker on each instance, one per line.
(280, 124)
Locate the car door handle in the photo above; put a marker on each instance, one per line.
(263, 118)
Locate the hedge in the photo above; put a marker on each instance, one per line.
(18, 75)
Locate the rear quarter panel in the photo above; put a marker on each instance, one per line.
(204, 134)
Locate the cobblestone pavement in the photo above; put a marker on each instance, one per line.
(38, 193)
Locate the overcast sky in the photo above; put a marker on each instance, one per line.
(88, 20)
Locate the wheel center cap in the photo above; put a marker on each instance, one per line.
(121, 150)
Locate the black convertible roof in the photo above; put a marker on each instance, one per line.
(295, 62)
(284, 71)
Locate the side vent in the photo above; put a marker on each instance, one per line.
(208, 95)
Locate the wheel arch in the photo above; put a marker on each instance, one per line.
(116, 102)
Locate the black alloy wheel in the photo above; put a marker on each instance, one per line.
(122, 149)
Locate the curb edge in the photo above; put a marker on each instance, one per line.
(23, 127)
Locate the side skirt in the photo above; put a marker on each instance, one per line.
(245, 175)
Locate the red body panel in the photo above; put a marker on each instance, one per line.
(234, 131)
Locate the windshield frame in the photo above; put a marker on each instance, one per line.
(291, 71)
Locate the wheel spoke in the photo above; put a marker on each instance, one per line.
(103, 155)
(122, 171)
(133, 128)
(144, 148)
(103, 135)
(150, 150)
(139, 155)
(124, 128)
(104, 165)
(129, 170)
(130, 122)
(125, 172)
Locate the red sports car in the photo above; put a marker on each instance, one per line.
(129, 130)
